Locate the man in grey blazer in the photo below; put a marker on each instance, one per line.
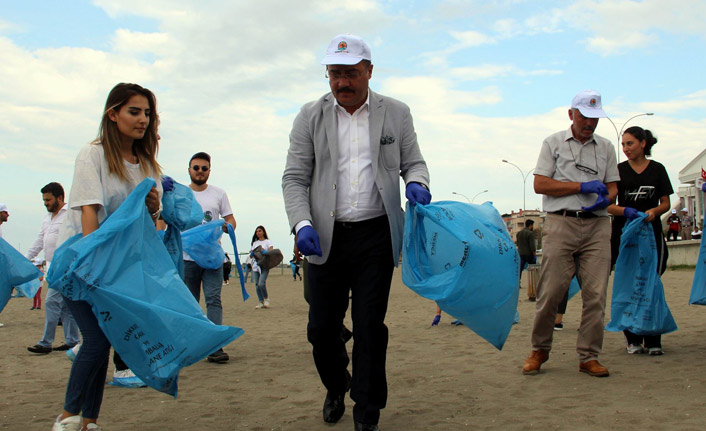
(342, 195)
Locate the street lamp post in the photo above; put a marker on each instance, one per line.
(620, 133)
(461, 194)
(524, 180)
(477, 194)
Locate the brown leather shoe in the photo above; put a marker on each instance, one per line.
(534, 361)
(593, 368)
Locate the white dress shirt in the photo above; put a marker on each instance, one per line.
(357, 198)
(48, 235)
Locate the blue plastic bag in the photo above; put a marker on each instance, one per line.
(15, 270)
(698, 286)
(180, 212)
(638, 303)
(461, 256)
(28, 289)
(231, 234)
(144, 308)
(201, 243)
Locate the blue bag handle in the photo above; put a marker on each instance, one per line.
(231, 234)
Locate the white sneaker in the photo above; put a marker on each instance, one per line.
(72, 423)
(259, 305)
(266, 303)
(72, 352)
(93, 427)
(655, 351)
(1, 325)
(127, 379)
(634, 349)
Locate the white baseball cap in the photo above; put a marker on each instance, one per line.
(3, 207)
(346, 49)
(684, 210)
(674, 211)
(588, 102)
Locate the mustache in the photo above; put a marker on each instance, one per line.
(345, 90)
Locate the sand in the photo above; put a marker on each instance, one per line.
(441, 378)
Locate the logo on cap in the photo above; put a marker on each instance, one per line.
(592, 102)
(342, 45)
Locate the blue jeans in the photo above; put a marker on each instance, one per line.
(84, 392)
(212, 280)
(260, 279)
(55, 308)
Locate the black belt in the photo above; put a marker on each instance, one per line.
(576, 214)
(362, 224)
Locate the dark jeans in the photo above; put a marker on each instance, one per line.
(672, 234)
(84, 392)
(360, 265)
(647, 340)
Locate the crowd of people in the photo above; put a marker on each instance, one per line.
(341, 186)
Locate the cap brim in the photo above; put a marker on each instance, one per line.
(592, 112)
(341, 59)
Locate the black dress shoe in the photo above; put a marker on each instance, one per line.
(39, 349)
(334, 407)
(366, 427)
(64, 347)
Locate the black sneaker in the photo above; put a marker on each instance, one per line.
(219, 356)
(558, 326)
(64, 347)
(39, 349)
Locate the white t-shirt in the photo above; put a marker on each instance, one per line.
(215, 205)
(266, 244)
(93, 183)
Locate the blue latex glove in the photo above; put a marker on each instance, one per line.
(167, 183)
(594, 186)
(703, 187)
(263, 251)
(631, 213)
(436, 320)
(308, 241)
(601, 203)
(416, 194)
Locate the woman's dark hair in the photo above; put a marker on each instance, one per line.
(254, 235)
(643, 135)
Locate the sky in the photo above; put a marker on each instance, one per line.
(485, 81)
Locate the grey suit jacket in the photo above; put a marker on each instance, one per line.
(311, 173)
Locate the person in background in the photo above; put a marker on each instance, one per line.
(687, 224)
(260, 239)
(577, 174)
(215, 205)
(37, 299)
(527, 245)
(105, 173)
(4, 216)
(54, 305)
(644, 186)
(227, 266)
(674, 223)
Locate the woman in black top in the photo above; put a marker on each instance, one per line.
(644, 186)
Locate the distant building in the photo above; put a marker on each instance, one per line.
(690, 195)
(515, 222)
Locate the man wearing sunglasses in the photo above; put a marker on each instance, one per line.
(215, 204)
(577, 174)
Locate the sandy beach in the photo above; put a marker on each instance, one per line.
(441, 378)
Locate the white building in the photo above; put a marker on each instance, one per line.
(690, 195)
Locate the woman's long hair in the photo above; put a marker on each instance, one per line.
(145, 149)
(254, 235)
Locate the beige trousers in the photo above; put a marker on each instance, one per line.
(581, 247)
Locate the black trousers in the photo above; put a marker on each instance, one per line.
(359, 267)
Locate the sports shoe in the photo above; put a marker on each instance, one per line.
(72, 423)
(259, 305)
(38, 348)
(266, 303)
(655, 351)
(558, 326)
(219, 356)
(93, 427)
(72, 352)
(534, 362)
(593, 368)
(634, 349)
(1, 325)
(126, 379)
(63, 347)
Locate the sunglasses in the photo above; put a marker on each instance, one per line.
(202, 168)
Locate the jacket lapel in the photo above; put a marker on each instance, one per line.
(331, 125)
(376, 118)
